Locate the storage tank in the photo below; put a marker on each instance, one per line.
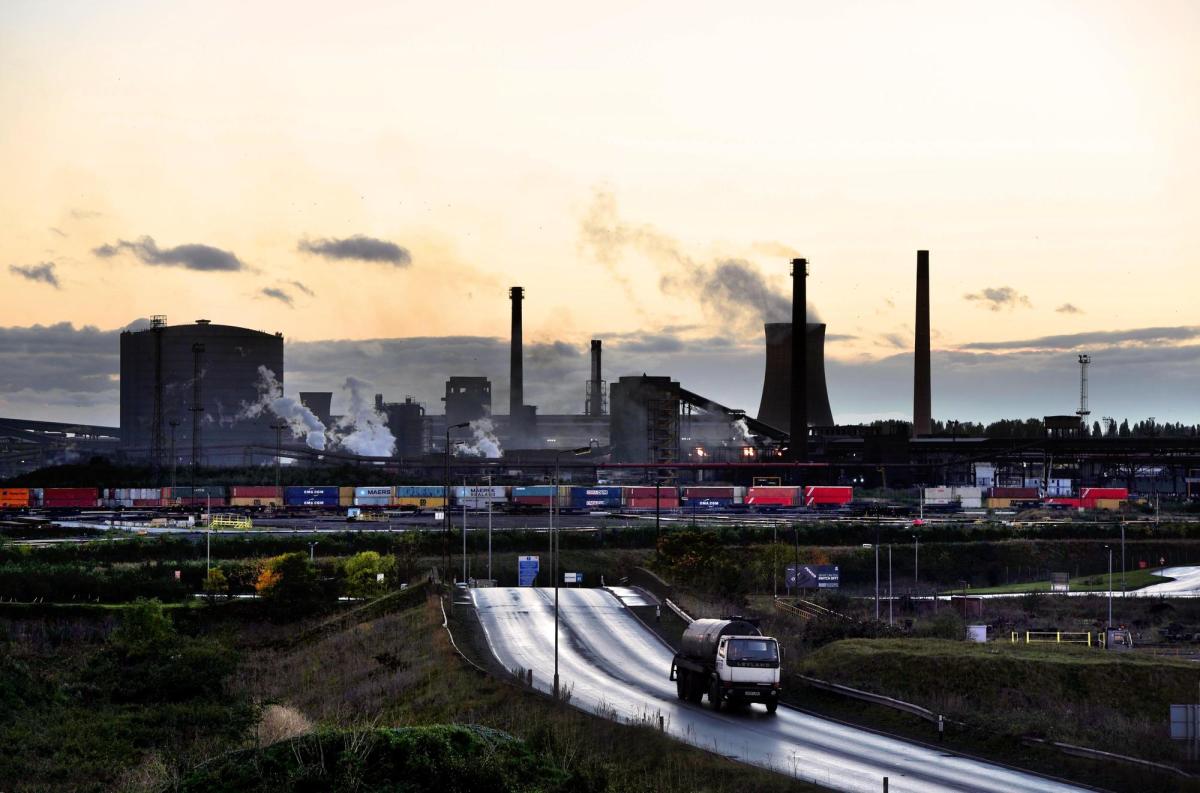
(157, 380)
(700, 638)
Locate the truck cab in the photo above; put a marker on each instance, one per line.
(748, 670)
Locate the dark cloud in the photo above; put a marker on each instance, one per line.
(366, 249)
(1069, 308)
(192, 256)
(840, 337)
(1070, 341)
(43, 272)
(894, 340)
(276, 294)
(997, 298)
(59, 232)
(303, 288)
(732, 292)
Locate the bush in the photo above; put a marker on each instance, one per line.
(945, 624)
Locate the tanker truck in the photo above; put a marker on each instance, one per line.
(730, 661)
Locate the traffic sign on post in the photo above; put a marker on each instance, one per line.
(572, 578)
(813, 576)
(527, 570)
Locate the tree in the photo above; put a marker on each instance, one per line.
(215, 583)
(289, 583)
(362, 572)
(145, 628)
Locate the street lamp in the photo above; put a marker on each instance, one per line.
(876, 547)
(554, 537)
(489, 503)
(1109, 547)
(916, 563)
(446, 505)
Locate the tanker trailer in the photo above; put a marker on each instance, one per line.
(730, 661)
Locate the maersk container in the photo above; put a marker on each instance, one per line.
(595, 497)
(419, 491)
(300, 496)
(374, 491)
(479, 496)
(373, 501)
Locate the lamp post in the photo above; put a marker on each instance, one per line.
(554, 559)
(889, 584)
(489, 503)
(1110, 583)
(916, 563)
(446, 505)
(464, 530)
(1123, 556)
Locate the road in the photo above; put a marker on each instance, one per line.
(1187, 581)
(613, 665)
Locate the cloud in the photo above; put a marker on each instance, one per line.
(894, 340)
(840, 337)
(303, 288)
(59, 232)
(1069, 308)
(276, 294)
(1071, 341)
(85, 214)
(43, 272)
(732, 292)
(192, 256)
(997, 298)
(366, 249)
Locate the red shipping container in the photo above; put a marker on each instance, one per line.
(1062, 502)
(147, 502)
(827, 495)
(535, 501)
(1014, 492)
(648, 492)
(708, 492)
(254, 491)
(648, 503)
(1092, 493)
(772, 496)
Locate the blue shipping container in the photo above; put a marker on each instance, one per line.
(584, 497)
(542, 491)
(419, 491)
(707, 503)
(310, 496)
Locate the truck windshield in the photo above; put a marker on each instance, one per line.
(752, 650)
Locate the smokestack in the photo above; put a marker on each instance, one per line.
(595, 397)
(516, 385)
(922, 407)
(798, 412)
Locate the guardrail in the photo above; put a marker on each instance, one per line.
(878, 699)
(1097, 754)
(683, 615)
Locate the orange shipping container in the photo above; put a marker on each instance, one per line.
(255, 502)
(345, 496)
(1113, 504)
(14, 496)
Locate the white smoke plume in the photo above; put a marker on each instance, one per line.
(300, 420)
(363, 430)
(484, 443)
(741, 432)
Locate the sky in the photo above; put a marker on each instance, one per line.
(369, 179)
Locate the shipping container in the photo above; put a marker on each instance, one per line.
(599, 497)
(1015, 493)
(705, 503)
(1063, 501)
(249, 501)
(253, 491)
(961, 492)
(148, 502)
(705, 491)
(543, 491)
(1092, 493)
(200, 491)
(70, 497)
(373, 501)
(531, 501)
(420, 502)
(300, 496)
(633, 502)
(419, 491)
(971, 503)
(345, 496)
(1110, 504)
(14, 497)
(997, 503)
(649, 492)
(374, 491)
(772, 496)
(827, 496)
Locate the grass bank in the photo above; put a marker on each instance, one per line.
(1134, 579)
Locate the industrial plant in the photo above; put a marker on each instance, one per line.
(202, 395)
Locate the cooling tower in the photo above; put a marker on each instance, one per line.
(922, 407)
(775, 408)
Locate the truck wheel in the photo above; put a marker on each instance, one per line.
(772, 705)
(695, 688)
(714, 694)
(680, 684)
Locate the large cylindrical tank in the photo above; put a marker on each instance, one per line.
(700, 638)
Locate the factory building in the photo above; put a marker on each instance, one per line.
(467, 399)
(408, 425)
(191, 383)
(644, 422)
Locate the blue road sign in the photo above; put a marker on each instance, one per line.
(813, 576)
(527, 570)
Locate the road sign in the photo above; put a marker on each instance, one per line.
(527, 570)
(813, 576)
(1185, 722)
(572, 578)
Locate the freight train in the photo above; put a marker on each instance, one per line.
(518, 498)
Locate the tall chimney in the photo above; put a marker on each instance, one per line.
(595, 406)
(922, 407)
(798, 450)
(516, 384)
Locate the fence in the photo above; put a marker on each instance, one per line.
(1053, 637)
(230, 522)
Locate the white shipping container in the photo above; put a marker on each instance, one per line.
(380, 491)
(481, 494)
(971, 503)
(968, 492)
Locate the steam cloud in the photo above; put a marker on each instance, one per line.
(731, 291)
(363, 430)
(300, 420)
(191, 256)
(484, 443)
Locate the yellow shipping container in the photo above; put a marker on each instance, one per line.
(1109, 503)
(421, 502)
(345, 496)
(998, 503)
(256, 502)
